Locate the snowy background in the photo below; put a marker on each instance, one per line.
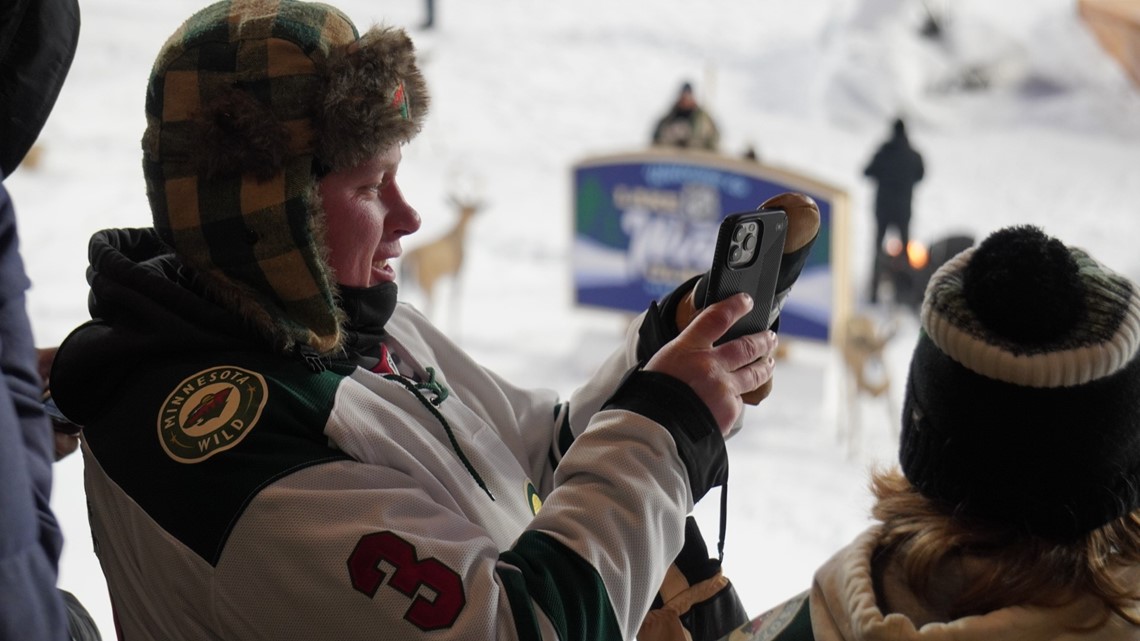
(524, 89)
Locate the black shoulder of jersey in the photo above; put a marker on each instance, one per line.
(194, 441)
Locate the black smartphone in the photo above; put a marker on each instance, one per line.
(747, 259)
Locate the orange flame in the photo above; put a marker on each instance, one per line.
(916, 254)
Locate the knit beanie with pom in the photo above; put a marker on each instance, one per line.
(1023, 400)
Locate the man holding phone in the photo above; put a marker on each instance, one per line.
(365, 473)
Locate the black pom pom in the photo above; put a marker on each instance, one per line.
(1024, 287)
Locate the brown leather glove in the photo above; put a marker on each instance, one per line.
(803, 229)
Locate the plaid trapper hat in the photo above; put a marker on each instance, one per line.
(248, 103)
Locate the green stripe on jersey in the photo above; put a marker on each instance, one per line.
(566, 587)
(526, 623)
(565, 434)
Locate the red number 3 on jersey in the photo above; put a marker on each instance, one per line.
(410, 574)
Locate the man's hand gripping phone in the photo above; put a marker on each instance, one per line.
(721, 375)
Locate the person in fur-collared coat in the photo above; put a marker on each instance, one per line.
(1016, 512)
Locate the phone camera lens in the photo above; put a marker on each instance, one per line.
(735, 255)
(740, 233)
(748, 243)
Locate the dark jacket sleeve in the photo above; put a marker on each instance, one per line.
(874, 168)
(30, 539)
(37, 44)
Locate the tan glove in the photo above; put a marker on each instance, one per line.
(664, 623)
(696, 602)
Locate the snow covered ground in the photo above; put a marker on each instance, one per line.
(522, 90)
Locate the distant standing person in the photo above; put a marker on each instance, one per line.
(896, 167)
(687, 124)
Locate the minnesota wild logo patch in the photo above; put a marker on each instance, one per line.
(210, 412)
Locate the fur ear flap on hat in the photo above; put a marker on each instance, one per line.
(375, 98)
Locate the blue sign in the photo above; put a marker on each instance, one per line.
(646, 222)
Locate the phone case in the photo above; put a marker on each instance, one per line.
(757, 275)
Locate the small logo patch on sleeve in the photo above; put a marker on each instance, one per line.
(210, 412)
